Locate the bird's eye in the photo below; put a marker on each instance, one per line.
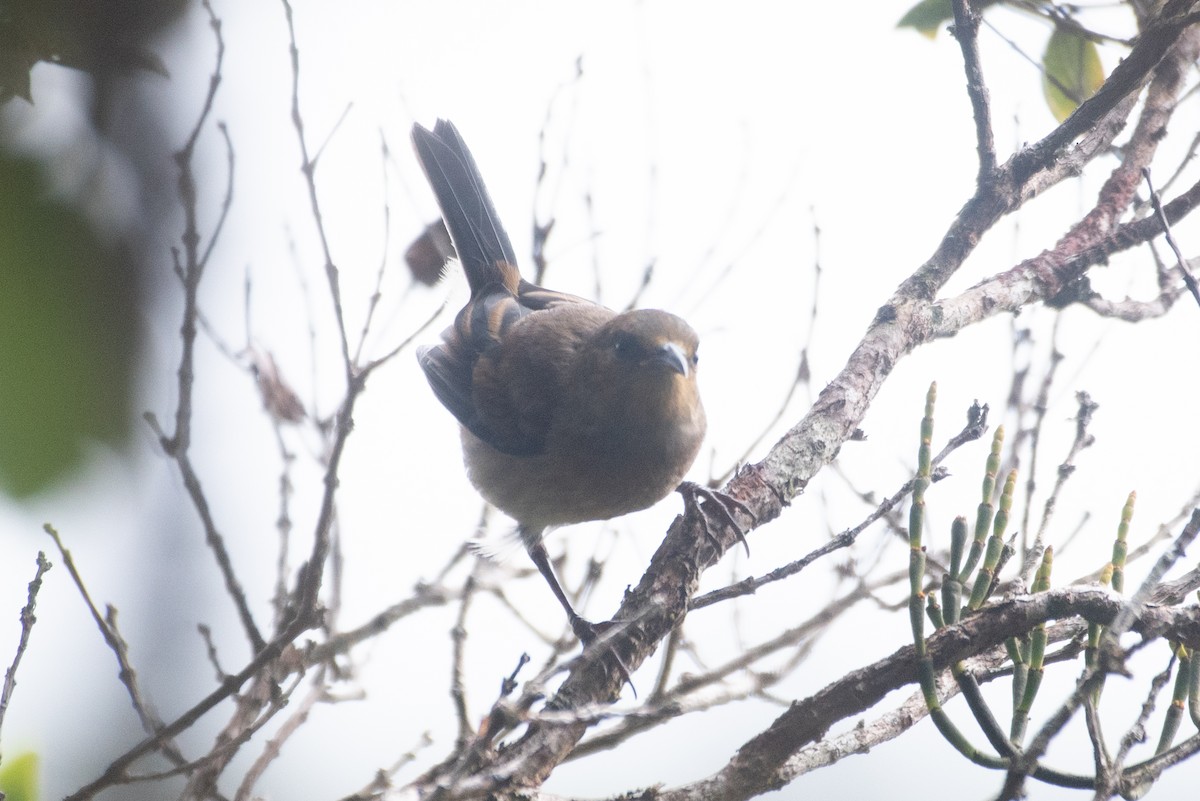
(695, 359)
(624, 346)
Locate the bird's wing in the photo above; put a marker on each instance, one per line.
(513, 416)
(518, 387)
(448, 369)
(474, 373)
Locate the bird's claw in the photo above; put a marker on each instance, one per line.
(724, 504)
(588, 632)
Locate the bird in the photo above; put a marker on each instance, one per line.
(569, 411)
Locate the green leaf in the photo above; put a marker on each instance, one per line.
(1071, 72)
(18, 777)
(927, 17)
(68, 325)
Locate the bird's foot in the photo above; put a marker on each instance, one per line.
(588, 632)
(724, 506)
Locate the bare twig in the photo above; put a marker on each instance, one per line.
(1106, 781)
(406, 343)
(118, 771)
(976, 425)
(383, 778)
(458, 691)
(695, 691)
(1032, 553)
(308, 167)
(377, 293)
(316, 693)
(190, 270)
(1184, 269)
(27, 621)
(151, 723)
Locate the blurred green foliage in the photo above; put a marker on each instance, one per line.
(68, 333)
(18, 777)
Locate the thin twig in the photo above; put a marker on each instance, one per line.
(975, 427)
(27, 621)
(118, 770)
(1106, 782)
(1184, 270)
(458, 691)
(274, 746)
(406, 343)
(283, 524)
(1083, 439)
(686, 697)
(309, 168)
(1032, 432)
(151, 723)
(190, 270)
(383, 777)
(377, 293)
(227, 201)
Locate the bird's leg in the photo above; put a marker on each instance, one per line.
(585, 630)
(724, 505)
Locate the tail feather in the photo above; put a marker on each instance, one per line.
(479, 237)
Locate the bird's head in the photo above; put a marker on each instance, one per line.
(650, 342)
(637, 377)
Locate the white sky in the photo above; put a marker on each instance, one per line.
(707, 135)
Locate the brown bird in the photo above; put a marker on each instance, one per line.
(570, 411)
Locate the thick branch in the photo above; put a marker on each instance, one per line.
(753, 770)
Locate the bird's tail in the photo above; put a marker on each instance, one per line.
(479, 238)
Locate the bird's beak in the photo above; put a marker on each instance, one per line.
(673, 357)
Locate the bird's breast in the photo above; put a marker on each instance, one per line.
(596, 472)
